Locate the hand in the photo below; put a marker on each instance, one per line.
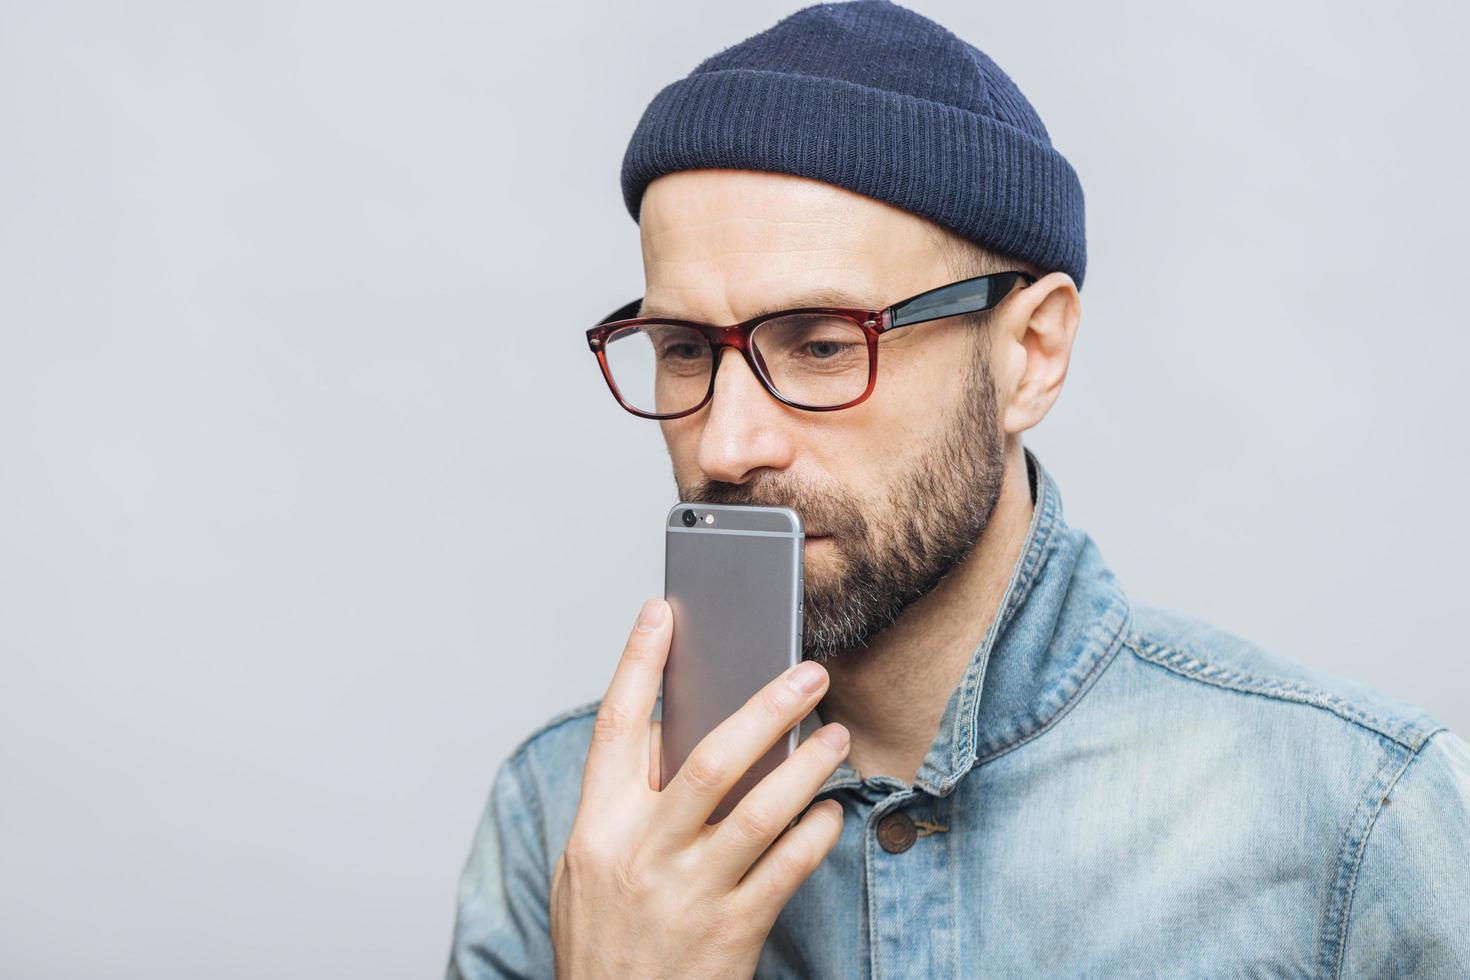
(645, 888)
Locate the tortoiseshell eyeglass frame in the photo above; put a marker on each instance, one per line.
(973, 295)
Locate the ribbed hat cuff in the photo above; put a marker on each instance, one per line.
(1003, 188)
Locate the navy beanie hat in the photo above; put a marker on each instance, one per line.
(875, 98)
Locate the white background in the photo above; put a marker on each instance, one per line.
(312, 502)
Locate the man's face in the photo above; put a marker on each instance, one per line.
(894, 491)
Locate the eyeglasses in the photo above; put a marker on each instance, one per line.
(816, 358)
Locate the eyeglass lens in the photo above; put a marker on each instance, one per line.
(810, 359)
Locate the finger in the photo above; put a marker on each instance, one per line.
(655, 756)
(770, 883)
(724, 755)
(617, 755)
(745, 834)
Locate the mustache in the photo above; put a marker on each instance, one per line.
(830, 511)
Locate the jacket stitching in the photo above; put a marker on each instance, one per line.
(1353, 833)
(1192, 667)
(1047, 526)
(1041, 532)
(1084, 684)
(1376, 797)
(975, 685)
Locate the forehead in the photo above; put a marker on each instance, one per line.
(725, 244)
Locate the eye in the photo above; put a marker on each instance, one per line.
(682, 351)
(823, 349)
(814, 341)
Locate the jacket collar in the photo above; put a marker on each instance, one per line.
(1062, 617)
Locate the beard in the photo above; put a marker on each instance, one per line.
(896, 550)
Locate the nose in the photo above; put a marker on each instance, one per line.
(745, 429)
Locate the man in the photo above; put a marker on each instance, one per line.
(1018, 770)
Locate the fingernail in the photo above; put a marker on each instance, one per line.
(834, 735)
(650, 615)
(805, 677)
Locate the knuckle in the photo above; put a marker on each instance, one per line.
(611, 722)
(705, 773)
(639, 652)
(791, 865)
(772, 704)
(581, 857)
(591, 859)
(753, 821)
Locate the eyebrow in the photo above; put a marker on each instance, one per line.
(822, 297)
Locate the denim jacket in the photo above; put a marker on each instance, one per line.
(1114, 791)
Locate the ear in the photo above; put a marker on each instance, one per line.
(1035, 331)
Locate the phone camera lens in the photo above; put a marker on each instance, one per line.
(689, 519)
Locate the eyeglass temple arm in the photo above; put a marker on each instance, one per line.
(966, 296)
(625, 312)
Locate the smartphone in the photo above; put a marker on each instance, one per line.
(733, 578)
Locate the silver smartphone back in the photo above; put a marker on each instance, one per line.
(733, 577)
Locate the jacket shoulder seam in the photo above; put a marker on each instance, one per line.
(1334, 949)
(1200, 669)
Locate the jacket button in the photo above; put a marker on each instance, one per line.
(896, 832)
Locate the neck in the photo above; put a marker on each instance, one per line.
(891, 696)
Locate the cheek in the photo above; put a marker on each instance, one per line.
(926, 378)
(917, 392)
(897, 422)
